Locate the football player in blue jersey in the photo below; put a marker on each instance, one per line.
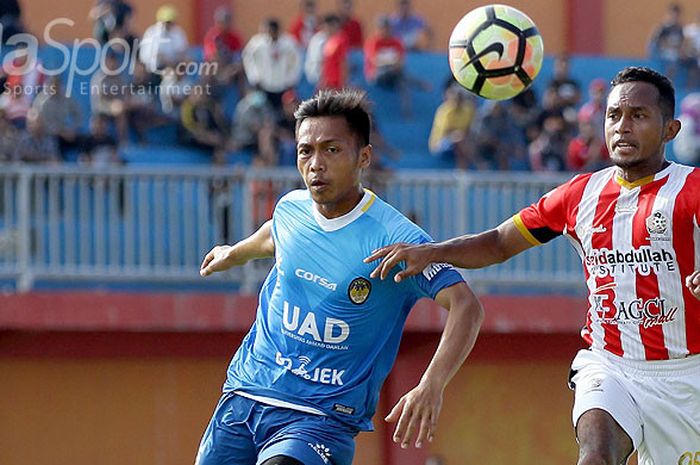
(307, 376)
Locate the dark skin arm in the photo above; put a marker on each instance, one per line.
(468, 251)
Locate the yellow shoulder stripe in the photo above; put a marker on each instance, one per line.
(370, 201)
(524, 231)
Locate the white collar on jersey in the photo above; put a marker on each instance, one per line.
(333, 224)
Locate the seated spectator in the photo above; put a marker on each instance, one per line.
(223, 45)
(164, 43)
(60, 115)
(15, 104)
(108, 17)
(568, 91)
(9, 139)
(334, 63)
(23, 81)
(551, 105)
(691, 33)
(284, 130)
(140, 104)
(351, 26)
(105, 101)
(667, 39)
(384, 55)
(548, 151)
(524, 110)
(587, 151)
(305, 24)
(686, 146)
(272, 62)
(450, 133)
(384, 62)
(499, 141)
(411, 28)
(100, 148)
(314, 52)
(35, 144)
(174, 88)
(251, 115)
(203, 125)
(593, 109)
(10, 19)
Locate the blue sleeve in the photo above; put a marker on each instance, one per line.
(436, 276)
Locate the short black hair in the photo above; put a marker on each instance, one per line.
(331, 19)
(272, 25)
(351, 104)
(667, 94)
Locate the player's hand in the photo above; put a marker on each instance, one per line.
(220, 258)
(692, 282)
(416, 414)
(415, 256)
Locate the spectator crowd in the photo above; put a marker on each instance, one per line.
(559, 130)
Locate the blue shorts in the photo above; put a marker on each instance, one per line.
(245, 432)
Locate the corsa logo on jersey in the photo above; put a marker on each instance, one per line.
(314, 278)
(645, 312)
(644, 260)
(690, 458)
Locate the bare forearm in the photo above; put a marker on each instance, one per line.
(457, 341)
(469, 251)
(416, 413)
(223, 257)
(258, 245)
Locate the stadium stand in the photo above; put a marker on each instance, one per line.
(408, 136)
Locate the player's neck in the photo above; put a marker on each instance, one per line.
(342, 206)
(634, 173)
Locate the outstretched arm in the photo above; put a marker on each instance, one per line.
(416, 413)
(468, 251)
(223, 257)
(693, 283)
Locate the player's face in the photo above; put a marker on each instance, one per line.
(635, 129)
(330, 160)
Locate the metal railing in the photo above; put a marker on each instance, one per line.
(154, 224)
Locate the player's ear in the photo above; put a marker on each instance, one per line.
(365, 156)
(671, 129)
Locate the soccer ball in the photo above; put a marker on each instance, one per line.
(495, 51)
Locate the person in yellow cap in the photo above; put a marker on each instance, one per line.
(164, 43)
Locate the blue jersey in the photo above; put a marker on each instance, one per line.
(326, 335)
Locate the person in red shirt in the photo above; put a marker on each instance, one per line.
(335, 51)
(587, 151)
(221, 40)
(305, 24)
(384, 63)
(222, 44)
(384, 56)
(350, 24)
